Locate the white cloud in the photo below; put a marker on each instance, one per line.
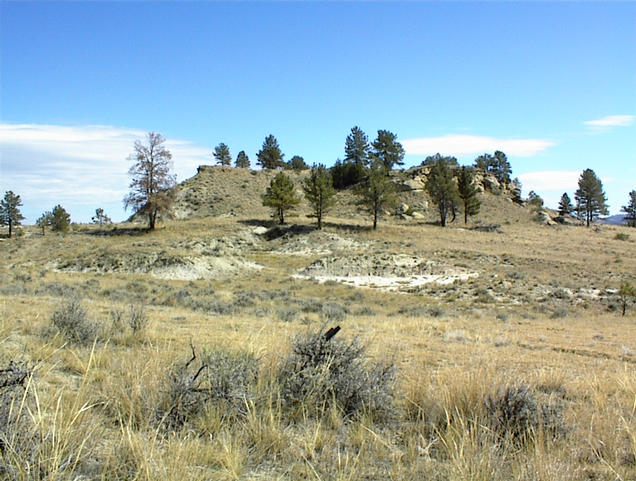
(611, 121)
(80, 167)
(550, 180)
(551, 184)
(456, 144)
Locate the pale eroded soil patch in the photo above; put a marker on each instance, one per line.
(383, 271)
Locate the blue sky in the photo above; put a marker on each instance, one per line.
(553, 85)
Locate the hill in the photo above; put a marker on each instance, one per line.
(233, 192)
(198, 351)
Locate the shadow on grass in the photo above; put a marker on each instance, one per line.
(350, 227)
(116, 231)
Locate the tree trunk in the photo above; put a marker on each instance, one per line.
(10, 227)
(281, 215)
(151, 220)
(375, 219)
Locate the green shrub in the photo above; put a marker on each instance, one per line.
(621, 236)
(321, 373)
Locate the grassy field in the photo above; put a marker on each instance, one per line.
(193, 352)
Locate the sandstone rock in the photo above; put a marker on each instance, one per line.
(402, 209)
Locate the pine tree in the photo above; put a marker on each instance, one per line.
(590, 198)
(242, 160)
(297, 163)
(10, 211)
(319, 191)
(222, 154)
(387, 149)
(60, 219)
(44, 221)
(151, 187)
(100, 217)
(270, 155)
(565, 205)
(630, 209)
(357, 147)
(441, 187)
(502, 169)
(468, 192)
(281, 196)
(376, 191)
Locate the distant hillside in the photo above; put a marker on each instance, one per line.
(618, 219)
(227, 191)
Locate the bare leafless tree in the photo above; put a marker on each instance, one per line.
(151, 189)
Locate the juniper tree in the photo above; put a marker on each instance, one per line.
(565, 205)
(376, 191)
(10, 211)
(222, 154)
(387, 149)
(242, 160)
(625, 293)
(630, 209)
(152, 184)
(281, 196)
(270, 155)
(441, 186)
(590, 198)
(60, 219)
(467, 192)
(319, 191)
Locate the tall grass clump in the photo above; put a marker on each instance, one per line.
(321, 373)
(215, 378)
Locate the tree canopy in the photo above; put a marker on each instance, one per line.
(44, 220)
(590, 197)
(441, 187)
(152, 183)
(319, 191)
(387, 149)
(297, 163)
(270, 155)
(242, 160)
(357, 148)
(222, 154)
(10, 211)
(60, 220)
(496, 165)
(630, 209)
(281, 196)
(565, 205)
(100, 218)
(467, 192)
(376, 191)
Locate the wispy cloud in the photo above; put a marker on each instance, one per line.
(551, 180)
(456, 144)
(81, 167)
(611, 121)
(551, 184)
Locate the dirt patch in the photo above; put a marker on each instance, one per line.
(307, 241)
(383, 271)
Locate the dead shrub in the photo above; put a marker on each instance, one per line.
(72, 321)
(514, 412)
(320, 373)
(217, 376)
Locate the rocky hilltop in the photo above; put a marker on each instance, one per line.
(234, 192)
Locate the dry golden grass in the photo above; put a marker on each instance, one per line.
(94, 407)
